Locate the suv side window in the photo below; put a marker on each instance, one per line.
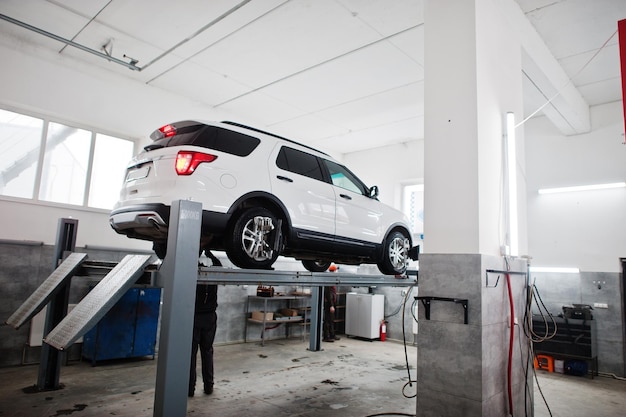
(342, 177)
(299, 162)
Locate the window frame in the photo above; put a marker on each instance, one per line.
(34, 199)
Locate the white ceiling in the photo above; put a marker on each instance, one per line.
(341, 75)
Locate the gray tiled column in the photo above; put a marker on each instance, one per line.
(462, 368)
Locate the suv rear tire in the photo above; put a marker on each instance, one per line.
(251, 242)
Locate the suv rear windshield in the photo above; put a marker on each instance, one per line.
(210, 137)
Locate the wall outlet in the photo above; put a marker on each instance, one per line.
(600, 305)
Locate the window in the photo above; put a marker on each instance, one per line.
(414, 208)
(20, 141)
(53, 162)
(211, 137)
(65, 164)
(110, 158)
(341, 177)
(299, 162)
(227, 141)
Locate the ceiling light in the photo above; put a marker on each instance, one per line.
(511, 181)
(582, 188)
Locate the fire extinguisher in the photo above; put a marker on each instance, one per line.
(383, 330)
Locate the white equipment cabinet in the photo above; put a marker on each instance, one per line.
(364, 312)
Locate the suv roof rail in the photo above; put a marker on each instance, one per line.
(271, 134)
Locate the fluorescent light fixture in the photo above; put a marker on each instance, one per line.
(511, 165)
(563, 270)
(582, 188)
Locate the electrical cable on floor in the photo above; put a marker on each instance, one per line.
(406, 358)
(413, 309)
(541, 392)
(511, 343)
(525, 368)
(541, 307)
(391, 414)
(533, 337)
(610, 375)
(397, 310)
(406, 355)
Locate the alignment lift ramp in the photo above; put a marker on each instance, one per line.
(177, 275)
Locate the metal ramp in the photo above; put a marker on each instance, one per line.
(46, 290)
(98, 302)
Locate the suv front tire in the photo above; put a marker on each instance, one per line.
(395, 254)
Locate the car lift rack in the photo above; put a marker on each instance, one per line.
(177, 275)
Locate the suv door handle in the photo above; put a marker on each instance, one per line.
(280, 177)
(346, 196)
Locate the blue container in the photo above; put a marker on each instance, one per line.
(128, 329)
(576, 367)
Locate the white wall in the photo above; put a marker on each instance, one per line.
(389, 167)
(24, 220)
(584, 229)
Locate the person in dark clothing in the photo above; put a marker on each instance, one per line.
(204, 327)
(330, 304)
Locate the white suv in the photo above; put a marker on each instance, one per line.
(262, 196)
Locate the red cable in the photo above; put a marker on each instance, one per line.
(511, 338)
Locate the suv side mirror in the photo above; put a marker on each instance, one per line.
(374, 191)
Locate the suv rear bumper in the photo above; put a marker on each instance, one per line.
(146, 221)
(151, 221)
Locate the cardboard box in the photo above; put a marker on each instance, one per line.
(258, 315)
(289, 312)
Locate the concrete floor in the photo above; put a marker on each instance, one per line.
(348, 378)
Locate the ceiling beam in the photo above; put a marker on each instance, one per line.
(555, 94)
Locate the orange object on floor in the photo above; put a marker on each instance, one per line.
(544, 362)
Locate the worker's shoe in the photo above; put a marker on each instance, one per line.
(328, 339)
(208, 389)
(190, 393)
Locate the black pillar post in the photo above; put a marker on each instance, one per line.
(51, 358)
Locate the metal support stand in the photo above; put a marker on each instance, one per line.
(51, 358)
(427, 300)
(178, 277)
(317, 311)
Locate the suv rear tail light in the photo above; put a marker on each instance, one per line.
(188, 161)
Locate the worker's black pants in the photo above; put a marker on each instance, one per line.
(328, 326)
(203, 337)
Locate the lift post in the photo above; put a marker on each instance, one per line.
(50, 364)
(317, 318)
(178, 277)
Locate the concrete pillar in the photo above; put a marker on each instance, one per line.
(472, 79)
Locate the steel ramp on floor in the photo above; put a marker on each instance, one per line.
(98, 301)
(38, 300)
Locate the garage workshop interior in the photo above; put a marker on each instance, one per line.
(347, 208)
